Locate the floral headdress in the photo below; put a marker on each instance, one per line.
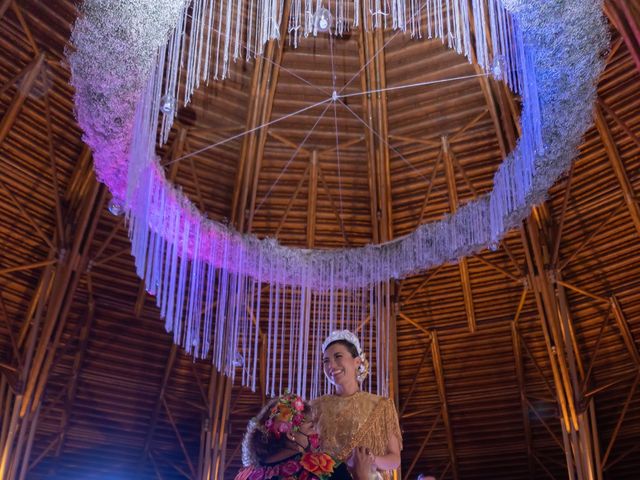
(348, 336)
(286, 415)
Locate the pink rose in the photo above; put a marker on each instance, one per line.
(297, 420)
(284, 427)
(298, 404)
(289, 468)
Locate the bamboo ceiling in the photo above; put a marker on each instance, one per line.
(112, 397)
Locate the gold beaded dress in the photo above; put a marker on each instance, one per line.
(359, 420)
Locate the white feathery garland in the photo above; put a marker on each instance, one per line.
(208, 279)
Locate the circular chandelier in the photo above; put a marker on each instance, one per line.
(127, 60)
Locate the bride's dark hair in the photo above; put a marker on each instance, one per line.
(350, 347)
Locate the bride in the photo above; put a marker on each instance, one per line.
(351, 418)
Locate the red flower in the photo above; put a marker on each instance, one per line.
(298, 404)
(289, 468)
(318, 463)
(304, 475)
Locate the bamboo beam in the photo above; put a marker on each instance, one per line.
(618, 166)
(625, 331)
(415, 381)
(621, 123)
(17, 355)
(31, 266)
(26, 84)
(26, 215)
(171, 359)
(334, 207)
(463, 264)
(4, 6)
(415, 324)
(41, 333)
(524, 405)
(427, 195)
(498, 268)
(292, 199)
(587, 240)
(625, 16)
(421, 285)
(312, 200)
(442, 393)
(187, 457)
(423, 445)
(623, 413)
(76, 370)
(262, 93)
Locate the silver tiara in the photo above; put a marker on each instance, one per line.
(342, 335)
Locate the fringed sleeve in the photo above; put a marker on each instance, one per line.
(391, 421)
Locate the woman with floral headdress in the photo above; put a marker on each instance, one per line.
(281, 443)
(351, 418)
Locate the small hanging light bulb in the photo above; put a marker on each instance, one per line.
(323, 20)
(167, 104)
(115, 208)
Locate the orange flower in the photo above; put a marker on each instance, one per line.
(318, 463)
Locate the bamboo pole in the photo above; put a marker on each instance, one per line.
(442, 393)
(618, 165)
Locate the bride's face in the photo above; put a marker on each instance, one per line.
(339, 365)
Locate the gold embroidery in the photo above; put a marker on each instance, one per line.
(362, 419)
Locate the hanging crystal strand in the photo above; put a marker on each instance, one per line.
(293, 24)
(237, 43)
(167, 268)
(372, 323)
(356, 13)
(440, 12)
(172, 54)
(269, 338)
(456, 26)
(223, 281)
(308, 341)
(218, 40)
(466, 27)
(314, 322)
(227, 38)
(450, 33)
(276, 323)
(192, 49)
(394, 14)
(479, 17)
(298, 321)
(171, 294)
(292, 332)
(206, 42)
(257, 338)
(193, 320)
(178, 330)
(208, 309)
(283, 332)
(513, 49)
